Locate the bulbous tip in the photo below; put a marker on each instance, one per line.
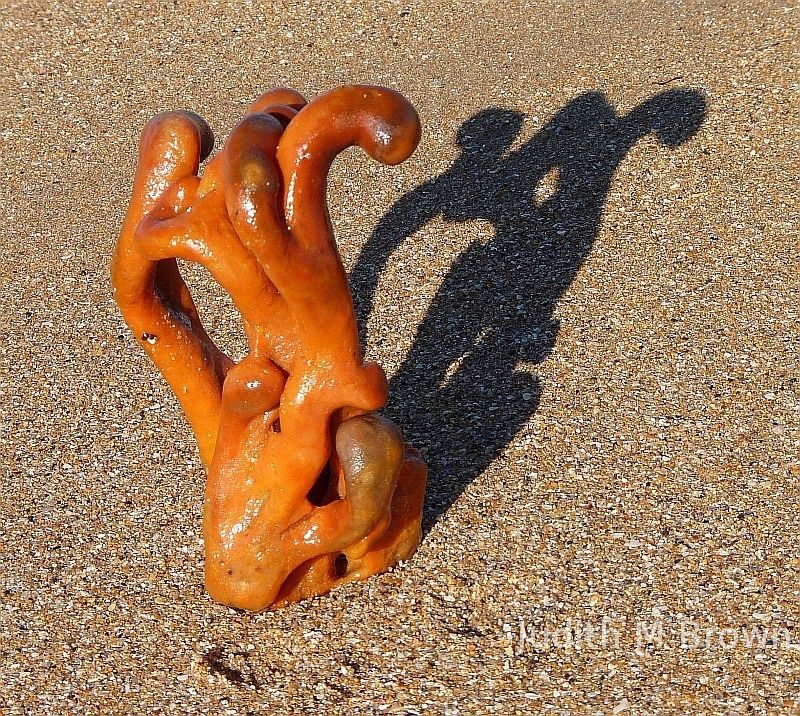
(205, 131)
(394, 126)
(370, 449)
(177, 123)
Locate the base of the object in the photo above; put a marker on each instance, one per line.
(393, 539)
(377, 552)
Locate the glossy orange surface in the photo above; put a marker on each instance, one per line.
(308, 486)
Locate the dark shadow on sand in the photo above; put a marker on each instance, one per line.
(495, 306)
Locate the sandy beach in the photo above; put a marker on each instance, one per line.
(584, 289)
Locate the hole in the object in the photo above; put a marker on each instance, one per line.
(340, 566)
(323, 492)
(276, 426)
(220, 318)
